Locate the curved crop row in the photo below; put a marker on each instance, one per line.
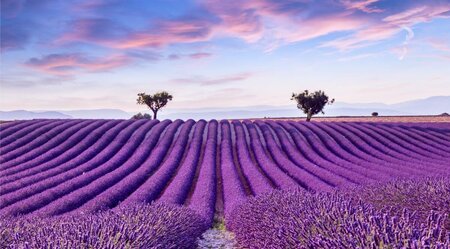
(52, 167)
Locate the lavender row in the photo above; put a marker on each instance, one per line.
(103, 182)
(398, 145)
(58, 144)
(84, 161)
(62, 153)
(11, 135)
(413, 140)
(411, 158)
(115, 155)
(376, 152)
(426, 137)
(203, 198)
(278, 177)
(85, 166)
(297, 158)
(33, 139)
(233, 189)
(152, 188)
(259, 183)
(350, 152)
(177, 190)
(10, 128)
(323, 157)
(131, 184)
(306, 179)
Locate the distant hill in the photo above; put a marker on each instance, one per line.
(430, 106)
(81, 114)
(22, 114)
(98, 113)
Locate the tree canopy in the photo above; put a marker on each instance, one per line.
(155, 101)
(311, 103)
(141, 116)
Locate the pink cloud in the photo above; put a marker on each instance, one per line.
(363, 37)
(66, 64)
(295, 21)
(280, 22)
(317, 27)
(239, 19)
(363, 5)
(251, 21)
(96, 30)
(269, 23)
(439, 44)
(389, 26)
(200, 55)
(169, 32)
(161, 34)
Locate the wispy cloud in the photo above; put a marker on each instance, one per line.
(159, 35)
(363, 5)
(145, 55)
(389, 26)
(402, 51)
(358, 57)
(439, 44)
(275, 23)
(199, 55)
(69, 63)
(208, 81)
(32, 80)
(94, 30)
(195, 56)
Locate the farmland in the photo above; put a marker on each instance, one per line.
(51, 168)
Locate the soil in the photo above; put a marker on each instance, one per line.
(417, 119)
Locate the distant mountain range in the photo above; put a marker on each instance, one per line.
(429, 106)
(22, 114)
(81, 114)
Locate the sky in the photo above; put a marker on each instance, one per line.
(63, 55)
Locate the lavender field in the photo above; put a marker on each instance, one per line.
(62, 169)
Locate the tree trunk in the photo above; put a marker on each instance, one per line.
(154, 114)
(308, 116)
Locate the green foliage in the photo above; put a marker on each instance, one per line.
(374, 114)
(155, 101)
(311, 103)
(142, 116)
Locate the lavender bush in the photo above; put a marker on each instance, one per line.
(417, 195)
(298, 219)
(140, 226)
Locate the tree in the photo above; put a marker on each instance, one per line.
(311, 103)
(374, 114)
(141, 116)
(155, 101)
